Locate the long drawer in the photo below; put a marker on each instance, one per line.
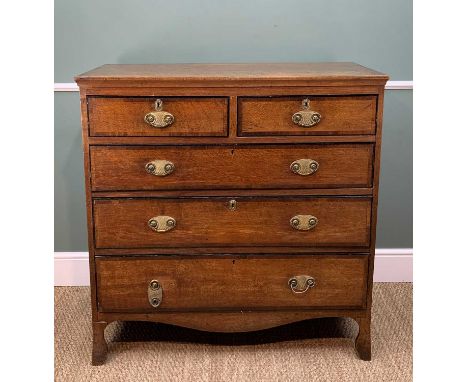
(307, 115)
(152, 116)
(155, 284)
(217, 167)
(236, 221)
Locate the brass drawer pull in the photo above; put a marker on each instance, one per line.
(303, 222)
(155, 293)
(162, 223)
(304, 166)
(306, 117)
(159, 118)
(301, 284)
(160, 167)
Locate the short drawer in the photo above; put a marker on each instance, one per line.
(159, 117)
(235, 221)
(116, 168)
(321, 115)
(231, 283)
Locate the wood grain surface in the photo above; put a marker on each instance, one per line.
(194, 116)
(198, 284)
(340, 115)
(122, 223)
(230, 167)
(226, 75)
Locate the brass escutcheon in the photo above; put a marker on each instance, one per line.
(232, 204)
(303, 222)
(304, 166)
(162, 223)
(155, 291)
(159, 118)
(301, 284)
(159, 167)
(306, 117)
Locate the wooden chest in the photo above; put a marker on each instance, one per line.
(231, 197)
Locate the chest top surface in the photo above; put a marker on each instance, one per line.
(241, 74)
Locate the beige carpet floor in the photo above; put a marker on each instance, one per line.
(315, 350)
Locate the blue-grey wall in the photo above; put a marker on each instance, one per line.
(374, 33)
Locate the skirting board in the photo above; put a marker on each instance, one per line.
(391, 265)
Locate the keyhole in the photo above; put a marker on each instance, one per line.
(232, 205)
(158, 104)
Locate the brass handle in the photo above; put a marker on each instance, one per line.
(306, 117)
(304, 166)
(162, 223)
(303, 222)
(301, 284)
(159, 167)
(159, 118)
(155, 291)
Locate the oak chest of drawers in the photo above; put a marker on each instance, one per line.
(231, 197)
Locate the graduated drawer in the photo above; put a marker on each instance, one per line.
(230, 283)
(337, 115)
(215, 167)
(235, 221)
(183, 116)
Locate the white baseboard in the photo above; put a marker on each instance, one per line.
(391, 265)
(71, 269)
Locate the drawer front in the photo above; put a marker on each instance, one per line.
(213, 167)
(243, 221)
(189, 116)
(249, 283)
(338, 115)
